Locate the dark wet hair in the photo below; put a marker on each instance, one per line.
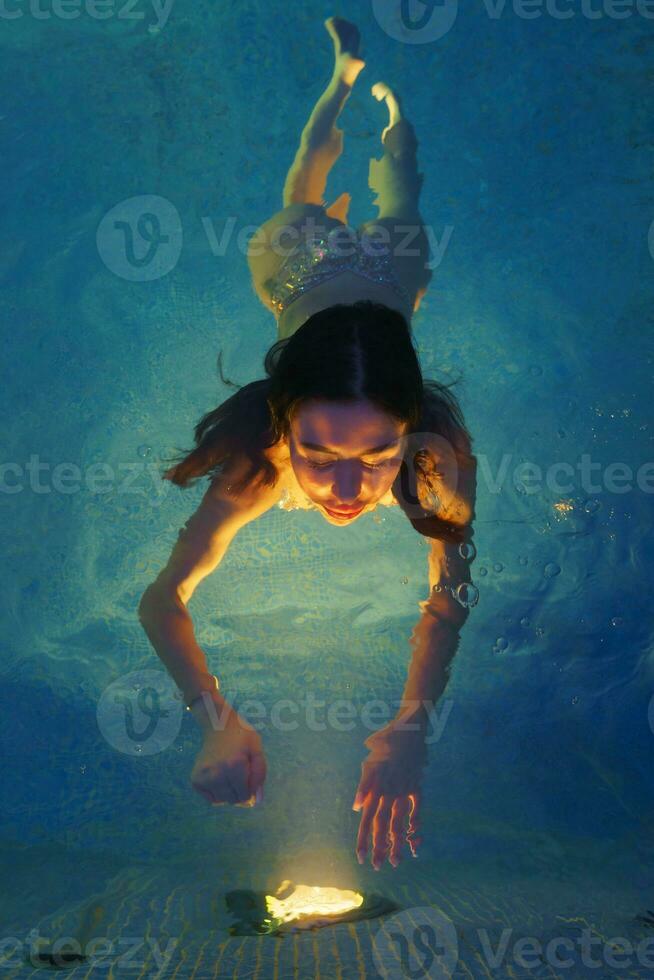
(345, 352)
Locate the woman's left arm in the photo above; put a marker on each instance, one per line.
(435, 637)
(389, 788)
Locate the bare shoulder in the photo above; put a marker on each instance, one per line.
(256, 496)
(452, 476)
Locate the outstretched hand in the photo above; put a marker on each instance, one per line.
(389, 792)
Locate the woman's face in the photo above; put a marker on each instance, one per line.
(345, 455)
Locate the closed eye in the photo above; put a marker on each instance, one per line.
(367, 466)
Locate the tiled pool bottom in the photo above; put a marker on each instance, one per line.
(172, 922)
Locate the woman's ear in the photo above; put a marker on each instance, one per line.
(448, 493)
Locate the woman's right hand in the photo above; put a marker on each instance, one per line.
(230, 767)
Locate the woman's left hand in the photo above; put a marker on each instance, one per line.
(389, 791)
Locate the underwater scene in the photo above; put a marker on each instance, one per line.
(327, 638)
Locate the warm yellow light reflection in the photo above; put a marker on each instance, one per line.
(309, 900)
(563, 506)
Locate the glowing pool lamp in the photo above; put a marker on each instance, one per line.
(294, 907)
(312, 903)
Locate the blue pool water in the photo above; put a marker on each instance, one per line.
(536, 144)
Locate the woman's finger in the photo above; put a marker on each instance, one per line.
(401, 808)
(258, 770)
(414, 821)
(370, 805)
(364, 787)
(230, 792)
(204, 792)
(380, 842)
(237, 777)
(220, 792)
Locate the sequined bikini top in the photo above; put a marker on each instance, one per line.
(321, 258)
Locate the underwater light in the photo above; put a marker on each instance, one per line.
(312, 900)
(295, 907)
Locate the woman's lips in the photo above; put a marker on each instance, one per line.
(343, 514)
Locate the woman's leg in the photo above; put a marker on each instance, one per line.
(396, 181)
(321, 142)
(320, 146)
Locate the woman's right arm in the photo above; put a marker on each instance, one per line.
(200, 547)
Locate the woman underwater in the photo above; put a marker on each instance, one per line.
(343, 422)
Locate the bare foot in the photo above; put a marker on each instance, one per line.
(346, 40)
(381, 91)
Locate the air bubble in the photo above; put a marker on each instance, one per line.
(467, 550)
(483, 571)
(523, 560)
(551, 569)
(617, 621)
(466, 594)
(498, 566)
(592, 505)
(526, 622)
(143, 451)
(501, 644)
(575, 699)
(404, 580)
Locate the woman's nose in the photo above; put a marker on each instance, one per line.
(347, 485)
